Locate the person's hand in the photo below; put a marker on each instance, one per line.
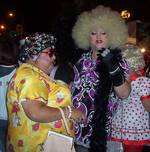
(109, 60)
(77, 115)
(112, 64)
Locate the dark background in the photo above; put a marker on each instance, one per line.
(59, 16)
(40, 15)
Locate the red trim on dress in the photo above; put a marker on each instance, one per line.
(145, 97)
(132, 142)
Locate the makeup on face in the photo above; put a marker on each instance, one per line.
(98, 39)
(50, 52)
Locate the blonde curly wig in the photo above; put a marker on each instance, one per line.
(100, 17)
(133, 56)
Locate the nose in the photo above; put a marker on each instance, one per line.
(99, 35)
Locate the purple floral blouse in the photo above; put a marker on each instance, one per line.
(85, 82)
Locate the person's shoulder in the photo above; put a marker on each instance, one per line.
(144, 78)
(26, 71)
(143, 81)
(61, 83)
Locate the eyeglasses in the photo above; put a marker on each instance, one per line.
(51, 52)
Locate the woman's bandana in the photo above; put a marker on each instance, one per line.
(36, 43)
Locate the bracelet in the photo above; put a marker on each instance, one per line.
(66, 111)
(70, 112)
(64, 121)
(117, 69)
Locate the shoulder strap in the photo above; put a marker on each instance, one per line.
(64, 120)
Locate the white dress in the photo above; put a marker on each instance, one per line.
(131, 122)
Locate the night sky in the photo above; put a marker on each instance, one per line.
(59, 16)
(39, 15)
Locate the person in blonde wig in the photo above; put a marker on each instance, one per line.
(99, 33)
(101, 17)
(133, 128)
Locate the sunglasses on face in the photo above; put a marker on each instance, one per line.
(51, 52)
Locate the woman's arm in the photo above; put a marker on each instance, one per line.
(40, 112)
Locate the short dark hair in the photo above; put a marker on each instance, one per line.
(8, 50)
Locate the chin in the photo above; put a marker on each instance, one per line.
(99, 48)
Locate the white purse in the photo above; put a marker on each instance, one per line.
(57, 142)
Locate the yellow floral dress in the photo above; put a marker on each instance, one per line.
(25, 135)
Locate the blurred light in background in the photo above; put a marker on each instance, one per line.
(143, 50)
(125, 14)
(2, 27)
(11, 14)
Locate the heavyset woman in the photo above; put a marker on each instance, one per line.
(33, 97)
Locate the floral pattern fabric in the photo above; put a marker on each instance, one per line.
(30, 83)
(86, 80)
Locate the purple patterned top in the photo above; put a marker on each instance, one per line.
(86, 80)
